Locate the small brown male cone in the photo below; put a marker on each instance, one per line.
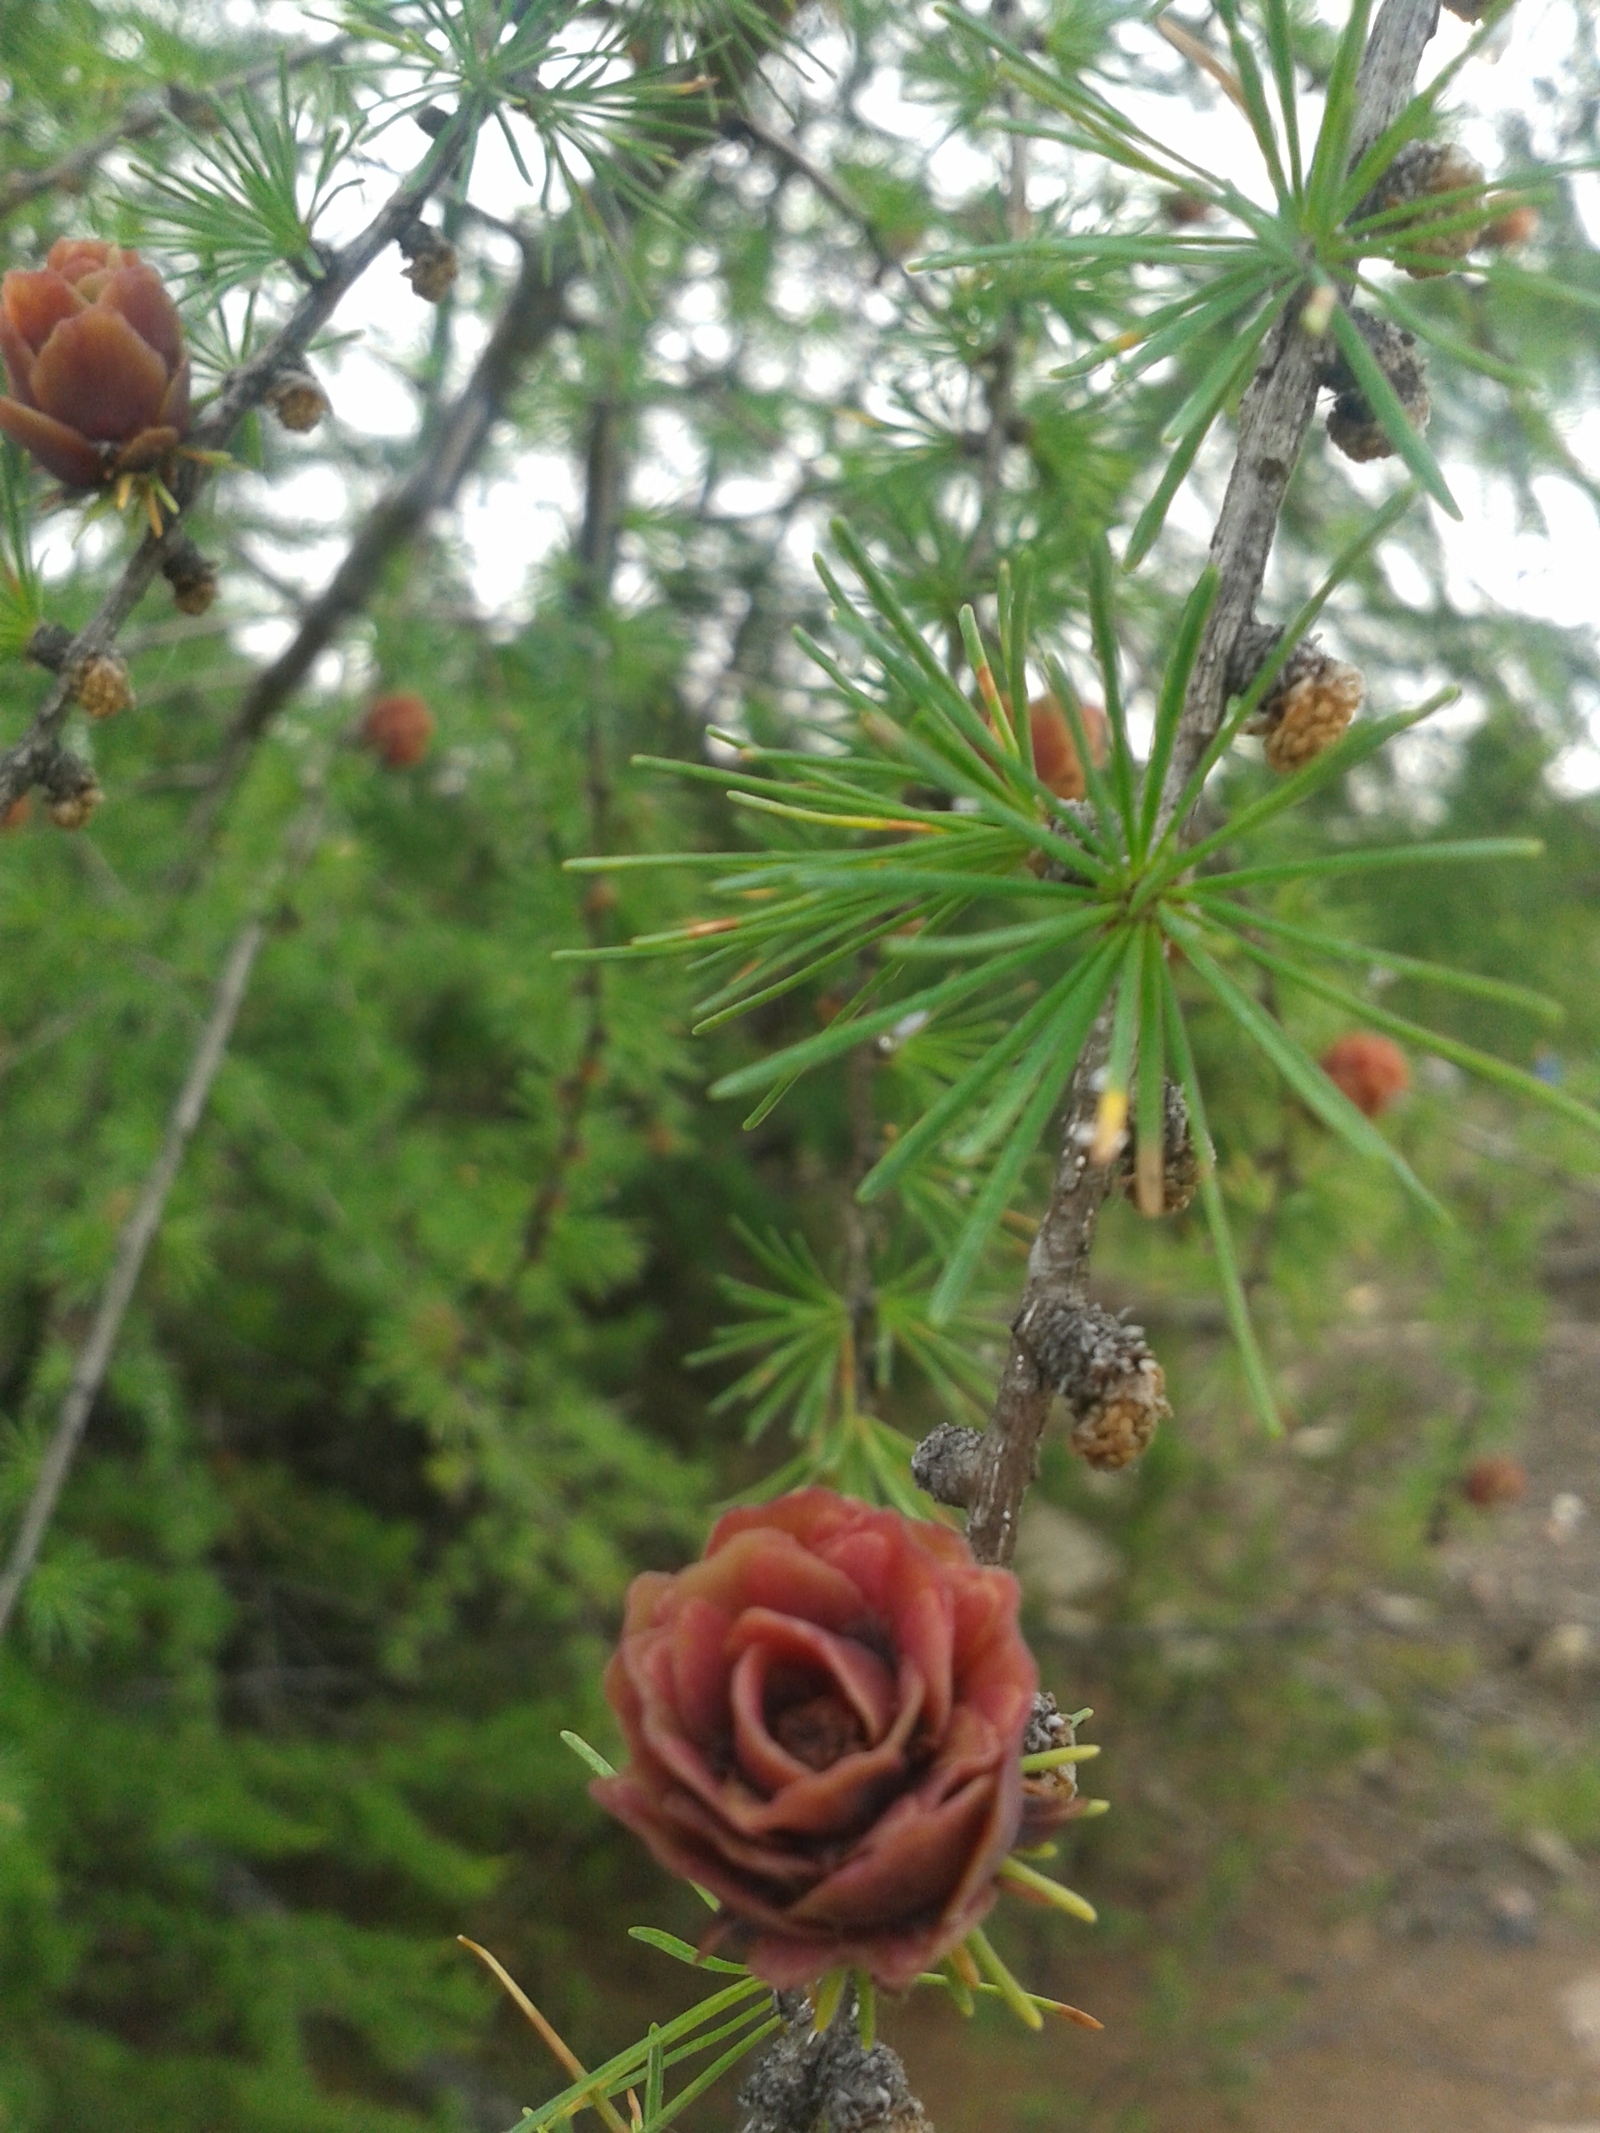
(1352, 425)
(193, 578)
(102, 685)
(1310, 704)
(1179, 1177)
(297, 400)
(1055, 753)
(434, 265)
(1421, 170)
(1105, 1372)
(73, 792)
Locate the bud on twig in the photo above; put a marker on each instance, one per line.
(1183, 210)
(49, 645)
(1369, 1068)
(296, 398)
(434, 265)
(1352, 425)
(945, 1464)
(193, 578)
(1169, 1190)
(73, 791)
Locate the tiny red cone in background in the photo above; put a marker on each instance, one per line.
(398, 728)
(13, 817)
(1493, 1481)
(93, 349)
(1370, 1070)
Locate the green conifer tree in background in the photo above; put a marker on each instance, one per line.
(400, 1399)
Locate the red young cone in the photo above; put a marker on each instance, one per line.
(398, 728)
(1370, 1070)
(1055, 755)
(93, 350)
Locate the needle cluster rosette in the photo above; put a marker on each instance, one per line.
(825, 1719)
(93, 349)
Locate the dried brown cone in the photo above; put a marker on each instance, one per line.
(1119, 1428)
(1104, 1371)
(73, 792)
(1352, 425)
(434, 265)
(1308, 707)
(193, 578)
(1421, 170)
(297, 400)
(102, 684)
(99, 681)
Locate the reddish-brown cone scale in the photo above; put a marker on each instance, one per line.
(93, 351)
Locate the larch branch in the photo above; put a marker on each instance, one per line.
(1273, 421)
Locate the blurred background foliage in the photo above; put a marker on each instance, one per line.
(403, 1401)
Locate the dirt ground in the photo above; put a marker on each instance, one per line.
(1398, 1939)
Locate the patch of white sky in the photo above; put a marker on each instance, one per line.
(523, 507)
